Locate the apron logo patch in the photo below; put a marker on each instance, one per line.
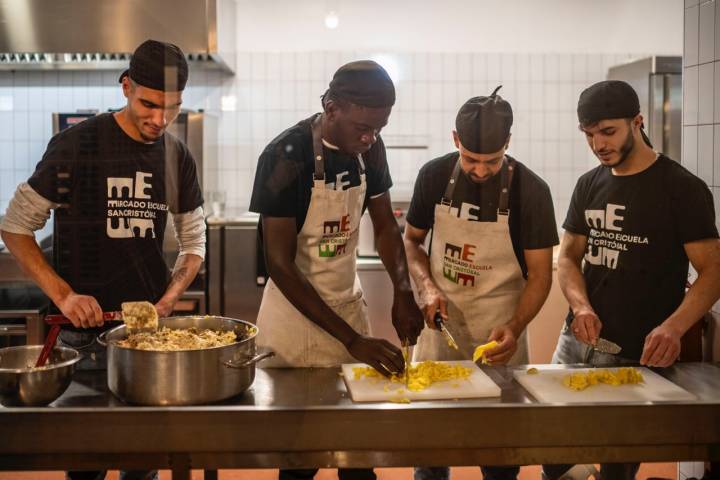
(458, 265)
(130, 209)
(336, 235)
(606, 239)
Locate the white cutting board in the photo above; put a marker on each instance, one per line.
(365, 389)
(547, 387)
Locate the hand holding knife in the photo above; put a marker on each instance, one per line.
(440, 324)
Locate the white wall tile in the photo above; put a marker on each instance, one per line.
(690, 96)
(705, 153)
(690, 56)
(507, 67)
(706, 100)
(706, 43)
(716, 93)
(716, 155)
(435, 67)
(494, 71)
(690, 148)
(717, 34)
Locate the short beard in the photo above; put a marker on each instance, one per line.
(625, 150)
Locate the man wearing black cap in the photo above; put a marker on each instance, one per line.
(312, 184)
(635, 220)
(489, 269)
(112, 180)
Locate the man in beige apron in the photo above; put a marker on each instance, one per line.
(490, 264)
(312, 185)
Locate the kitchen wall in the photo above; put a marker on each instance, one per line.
(701, 131)
(438, 56)
(701, 98)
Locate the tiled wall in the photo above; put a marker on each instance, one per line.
(272, 91)
(701, 95)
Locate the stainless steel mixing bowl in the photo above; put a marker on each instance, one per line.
(23, 385)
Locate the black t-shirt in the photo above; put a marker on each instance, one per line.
(635, 265)
(114, 194)
(532, 217)
(284, 177)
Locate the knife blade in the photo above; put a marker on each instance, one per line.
(440, 324)
(606, 346)
(406, 356)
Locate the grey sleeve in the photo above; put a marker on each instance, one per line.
(27, 212)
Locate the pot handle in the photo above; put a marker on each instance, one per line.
(248, 361)
(102, 338)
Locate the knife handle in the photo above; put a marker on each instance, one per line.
(438, 320)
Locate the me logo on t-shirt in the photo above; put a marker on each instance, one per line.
(336, 234)
(606, 239)
(131, 211)
(458, 265)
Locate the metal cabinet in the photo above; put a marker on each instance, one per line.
(235, 279)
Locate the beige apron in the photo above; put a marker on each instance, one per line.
(475, 265)
(326, 251)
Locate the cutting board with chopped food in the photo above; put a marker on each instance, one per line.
(547, 386)
(365, 388)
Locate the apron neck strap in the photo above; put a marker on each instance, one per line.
(450, 189)
(506, 176)
(318, 157)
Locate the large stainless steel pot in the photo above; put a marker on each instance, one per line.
(185, 377)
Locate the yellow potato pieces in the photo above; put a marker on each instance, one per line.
(421, 375)
(622, 376)
(480, 351)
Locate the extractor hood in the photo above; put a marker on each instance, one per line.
(102, 34)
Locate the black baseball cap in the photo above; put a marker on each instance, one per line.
(605, 100)
(158, 65)
(483, 123)
(364, 83)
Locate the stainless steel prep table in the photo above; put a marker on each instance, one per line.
(304, 418)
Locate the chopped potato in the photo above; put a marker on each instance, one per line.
(532, 371)
(622, 376)
(480, 351)
(421, 375)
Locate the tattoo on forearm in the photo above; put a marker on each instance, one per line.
(178, 276)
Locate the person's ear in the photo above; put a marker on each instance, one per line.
(456, 139)
(126, 86)
(332, 110)
(507, 143)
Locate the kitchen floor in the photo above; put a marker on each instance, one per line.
(647, 470)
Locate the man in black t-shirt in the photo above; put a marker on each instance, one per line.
(489, 268)
(112, 180)
(635, 220)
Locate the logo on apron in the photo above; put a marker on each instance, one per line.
(458, 266)
(336, 235)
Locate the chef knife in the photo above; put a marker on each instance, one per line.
(406, 356)
(440, 324)
(606, 346)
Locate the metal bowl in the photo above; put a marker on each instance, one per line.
(21, 385)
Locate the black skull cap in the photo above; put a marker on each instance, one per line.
(159, 66)
(365, 83)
